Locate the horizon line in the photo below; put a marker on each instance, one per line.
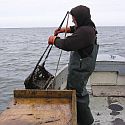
(55, 26)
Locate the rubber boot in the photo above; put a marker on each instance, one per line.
(84, 115)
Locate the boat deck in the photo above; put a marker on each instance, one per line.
(107, 100)
(108, 110)
(37, 107)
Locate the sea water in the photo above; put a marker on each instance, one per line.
(21, 48)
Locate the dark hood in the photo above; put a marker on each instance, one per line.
(82, 15)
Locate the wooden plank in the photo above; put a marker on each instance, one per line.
(53, 114)
(33, 93)
(43, 107)
(108, 90)
(74, 109)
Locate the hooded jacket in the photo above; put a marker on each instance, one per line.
(83, 36)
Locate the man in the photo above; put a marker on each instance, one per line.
(83, 47)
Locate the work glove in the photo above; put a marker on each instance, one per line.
(51, 40)
(62, 30)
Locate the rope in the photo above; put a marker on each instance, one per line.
(47, 54)
(58, 29)
(47, 49)
(61, 50)
(39, 61)
(60, 54)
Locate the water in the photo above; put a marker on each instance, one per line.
(21, 48)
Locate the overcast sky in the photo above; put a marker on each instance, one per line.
(49, 13)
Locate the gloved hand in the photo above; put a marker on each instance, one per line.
(62, 30)
(51, 40)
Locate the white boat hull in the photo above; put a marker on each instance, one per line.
(106, 87)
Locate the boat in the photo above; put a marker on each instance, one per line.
(106, 87)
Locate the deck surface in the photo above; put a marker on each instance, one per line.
(40, 108)
(53, 111)
(37, 112)
(108, 110)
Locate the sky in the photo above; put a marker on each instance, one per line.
(50, 13)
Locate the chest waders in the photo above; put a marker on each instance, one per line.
(79, 71)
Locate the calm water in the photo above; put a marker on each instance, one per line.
(21, 48)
